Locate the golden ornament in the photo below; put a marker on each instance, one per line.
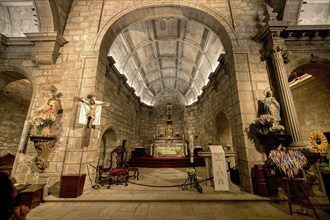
(318, 141)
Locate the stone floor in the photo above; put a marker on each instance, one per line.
(158, 195)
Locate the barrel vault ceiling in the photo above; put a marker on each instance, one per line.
(166, 54)
(159, 57)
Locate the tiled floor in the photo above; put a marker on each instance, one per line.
(150, 202)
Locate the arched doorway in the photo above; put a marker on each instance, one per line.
(223, 131)
(108, 143)
(16, 94)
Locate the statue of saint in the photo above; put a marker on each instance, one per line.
(50, 109)
(90, 111)
(45, 116)
(169, 111)
(271, 106)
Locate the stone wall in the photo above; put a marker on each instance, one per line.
(81, 68)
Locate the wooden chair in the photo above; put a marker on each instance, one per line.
(131, 169)
(117, 171)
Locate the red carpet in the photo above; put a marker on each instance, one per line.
(165, 162)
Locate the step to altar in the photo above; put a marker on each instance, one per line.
(166, 162)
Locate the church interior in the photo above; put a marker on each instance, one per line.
(239, 89)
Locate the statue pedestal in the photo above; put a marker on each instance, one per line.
(72, 186)
(43, 145)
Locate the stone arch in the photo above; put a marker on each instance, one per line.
(52, 14)
(298, 61)
(16, 87)
(45, 15)
(108, 142)
(318, 70)
(223, 129)
(144, 11)
(22, 70)
(17, 72)
(310, 89)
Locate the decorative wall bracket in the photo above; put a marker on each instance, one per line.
(43, 145)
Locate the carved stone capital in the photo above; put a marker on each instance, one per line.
(279, 49)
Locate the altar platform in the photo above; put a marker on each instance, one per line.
(165, 161)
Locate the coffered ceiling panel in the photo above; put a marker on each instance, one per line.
(189, 52)
(145, 53)
(151, 66)
(169, 73)
(168, 62)
(163, 55)
(167, 47)
(166, 28)
(184, 76)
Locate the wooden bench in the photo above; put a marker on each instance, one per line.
(30, 195)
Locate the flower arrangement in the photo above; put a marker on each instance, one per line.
(41, 123)
(267, 124)
(191, 171)
(264, 123)
(318, 141)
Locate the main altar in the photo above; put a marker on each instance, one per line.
(169, 145)
(176, 148)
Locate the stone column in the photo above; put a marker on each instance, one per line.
(290, 113)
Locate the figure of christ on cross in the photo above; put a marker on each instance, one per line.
(90, 114)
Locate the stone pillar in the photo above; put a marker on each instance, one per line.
(269, 34)
(290, 113)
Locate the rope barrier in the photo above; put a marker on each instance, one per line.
(183, 184)
(148, 185)
(100, 169)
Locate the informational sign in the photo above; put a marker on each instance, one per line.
(219, 168)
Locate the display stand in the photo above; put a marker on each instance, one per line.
(296, 183)
(72, 185)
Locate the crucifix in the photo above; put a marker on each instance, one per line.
(90, 114)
